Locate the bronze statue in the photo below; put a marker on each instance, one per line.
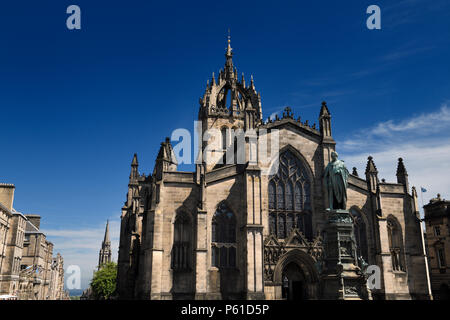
(335, 181)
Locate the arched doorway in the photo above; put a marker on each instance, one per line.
(297, 276)
(294, 283)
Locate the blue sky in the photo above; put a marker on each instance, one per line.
(76, 104)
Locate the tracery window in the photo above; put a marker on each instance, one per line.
(360, 231)
(396, 244)
(181, 250)
(223, 251)
(289, 198)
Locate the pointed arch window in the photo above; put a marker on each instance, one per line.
(290, 198)
(290, 222)
(396, 244)
(272, 193)
(181, 250)
(281, 226)
(298, 196)
(280, 196)
(273, 223)
(223, 238)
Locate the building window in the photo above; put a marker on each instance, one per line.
(223, 251)
(360, 231)
(396, 245)
(181, 251)
(289, 198)
(437, 231)
(441, 257)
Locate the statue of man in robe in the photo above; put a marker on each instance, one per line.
(335, 181)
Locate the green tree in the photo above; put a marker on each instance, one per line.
(103, 283)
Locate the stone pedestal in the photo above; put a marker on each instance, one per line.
(341, 277)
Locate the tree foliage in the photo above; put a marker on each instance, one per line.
(103, 283)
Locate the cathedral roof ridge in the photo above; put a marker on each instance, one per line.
(2, 184)
(288, 117)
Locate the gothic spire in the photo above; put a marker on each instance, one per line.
(106, 239)
(229, 68)
(104, 255)
(402, 175)
(134, 168)
(401, 170)
(371, 168)
(324, 110)
(134, 162)
(325, 121)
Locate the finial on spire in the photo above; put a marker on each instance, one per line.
(135, 162)
(324, 110)
(229, 49)
(371, 168)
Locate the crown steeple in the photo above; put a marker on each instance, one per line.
(229, 96)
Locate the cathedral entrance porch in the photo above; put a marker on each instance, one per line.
(295, 277)
(293, 287)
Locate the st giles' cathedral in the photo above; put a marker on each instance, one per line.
(230, 231)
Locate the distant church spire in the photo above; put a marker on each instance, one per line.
(106, 239)
(104, 256)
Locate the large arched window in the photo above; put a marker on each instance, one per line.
(290, 198)
(360, 231)
(181, 250)
(223, 238)
(395, 244)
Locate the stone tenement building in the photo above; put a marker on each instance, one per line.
(229, 231)
(28, 269)
(437, 221)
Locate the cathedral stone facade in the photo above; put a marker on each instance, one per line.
(242, 230)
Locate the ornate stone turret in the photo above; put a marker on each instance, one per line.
(325, 122)
(166, 159)
(402, 175)
(133, 182)
(105, 252)
(371, 174)
(134, 174)
(230, 97)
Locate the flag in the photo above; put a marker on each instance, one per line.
(423, 189)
